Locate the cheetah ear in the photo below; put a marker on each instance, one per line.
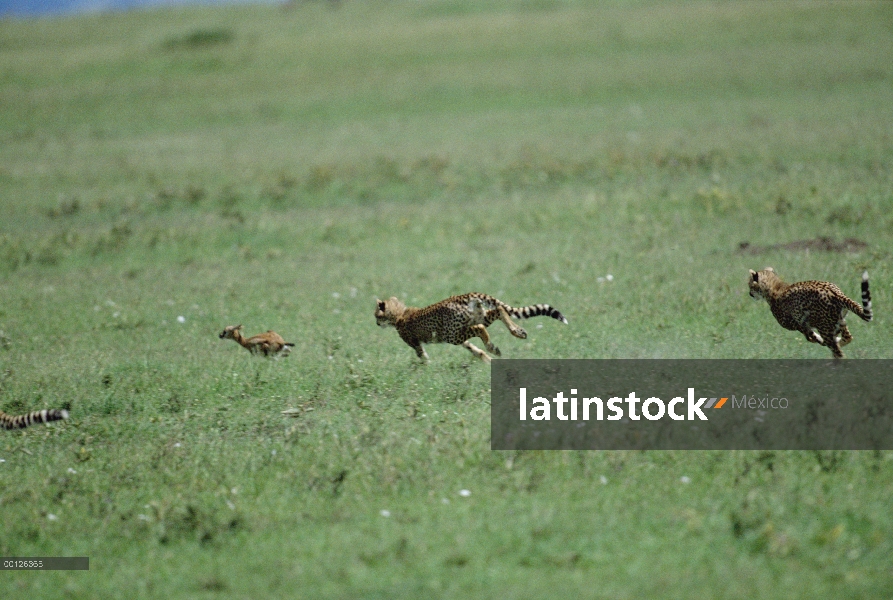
(380, 304)
(754, 276)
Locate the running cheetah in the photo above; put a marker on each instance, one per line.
(814, 308)
(38, 416)
(456, 320)
(268, 344)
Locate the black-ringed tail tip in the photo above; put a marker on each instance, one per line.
(866, 297)
(32, 418)
(536, 310)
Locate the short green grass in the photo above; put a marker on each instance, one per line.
(283, 168)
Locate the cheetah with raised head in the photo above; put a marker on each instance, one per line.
(28, 419)
(268, 344)
(817, 309)
(456, 320)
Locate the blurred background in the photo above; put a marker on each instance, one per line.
(32, 8)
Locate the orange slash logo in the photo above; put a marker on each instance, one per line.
(713, 401)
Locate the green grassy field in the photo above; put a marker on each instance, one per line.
(283, 168)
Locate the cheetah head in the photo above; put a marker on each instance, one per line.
(229, 333)
(388, 311)
(761, 282)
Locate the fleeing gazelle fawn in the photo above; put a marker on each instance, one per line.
(268, 344)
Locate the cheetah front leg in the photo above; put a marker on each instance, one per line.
(830, 340)
(420, 352)
(514, 328)
(811, 334)
(414, 343)
(800, 322)
(481, 332)
(477, 351)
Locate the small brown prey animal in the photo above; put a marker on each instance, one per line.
(268, 344)
(456, 320)
(38, 416)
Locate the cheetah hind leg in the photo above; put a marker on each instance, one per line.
(481, 332)
(845, 336)
(477, 351)
(515, 329)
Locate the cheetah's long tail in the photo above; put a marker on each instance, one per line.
(537, 310)
(26, 420)
(866, 298)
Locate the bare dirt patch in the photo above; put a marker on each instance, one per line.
(819, 244)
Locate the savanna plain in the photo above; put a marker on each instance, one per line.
(166, 173)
